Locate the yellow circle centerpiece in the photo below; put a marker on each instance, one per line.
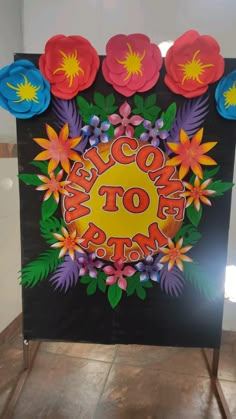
(123, 201)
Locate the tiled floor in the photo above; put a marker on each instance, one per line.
(85, 381)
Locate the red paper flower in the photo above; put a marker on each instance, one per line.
(192, 63)
(70, 64)
(132, 63)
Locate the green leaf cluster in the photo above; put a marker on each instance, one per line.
(94, 283)
(136, 287)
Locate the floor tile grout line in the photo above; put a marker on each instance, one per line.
(105, 382)
(76, 357)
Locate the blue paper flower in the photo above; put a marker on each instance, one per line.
(153, 132)
(225, 96)
(23, 90)
(149, 269)
(96, 131)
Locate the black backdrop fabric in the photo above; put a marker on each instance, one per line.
(190, 320)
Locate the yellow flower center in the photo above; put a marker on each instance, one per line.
(70, 65)
(230, 96)
(25, 91)
(194, 69)
(132, 62)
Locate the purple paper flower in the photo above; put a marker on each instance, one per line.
(153, 132)
(149, 269)
(89, 265)
(96, 131)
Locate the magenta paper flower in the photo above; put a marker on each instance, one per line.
(125, 123)
(89, 265)
(116, 274)
(132, 63)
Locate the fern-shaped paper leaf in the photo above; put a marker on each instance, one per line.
(66, 275)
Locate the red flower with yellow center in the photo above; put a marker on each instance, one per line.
(192, 63)
(68, 242)
(132, 63)
(70, 64)
(191, 154)
(58, 149)
(53, 185)
(198, 193)
(175, 254)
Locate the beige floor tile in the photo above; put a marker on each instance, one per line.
(138, 393)
(61, 387)
(96, 352)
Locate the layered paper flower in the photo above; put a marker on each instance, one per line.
(149, 269)
(154, 133)
(53, 185)
(132, 63)
(191, 154)
(117, 273)
(192, 63)
(225, 96)
(198, 193)
(58, 149)
(125, 124)
(70, 64)
(96, 131)
(68, 242)
(24, 92)
(89, 265)
(175, 254)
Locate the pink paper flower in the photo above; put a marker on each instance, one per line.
(116, 273)
(132, 63)
(126, 123)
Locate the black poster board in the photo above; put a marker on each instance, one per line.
(191, 319)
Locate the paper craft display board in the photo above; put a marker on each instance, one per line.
(124, 207)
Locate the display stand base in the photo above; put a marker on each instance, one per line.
(29, 357)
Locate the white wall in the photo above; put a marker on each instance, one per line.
(11, 41)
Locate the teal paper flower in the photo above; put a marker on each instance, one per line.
(225, 96)
(24, 92)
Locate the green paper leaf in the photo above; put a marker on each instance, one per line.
(42, 165)
(139, 130)
(102, 282)
(169, 116)
(49, 226)
(137, 111)
(193, 215)
(29, 179)
(86, 279)
(141, 293)
(114, 295)
(198, 278)
(48, 208)
(150, 101)
(220, 187)
(152, 112)
(110, 100)
(207, 174)
(99, 100)
(40, 268)
(83, 105)
(190, 235)
(138, 101)
(92, 287)
(147, 284)
(131, 286)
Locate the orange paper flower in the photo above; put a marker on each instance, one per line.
(70, 64)
(53, 185)
(68, 242)
(192, 63)
(58, 149)
(191, 154)
(175, 254)
(198, 193)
